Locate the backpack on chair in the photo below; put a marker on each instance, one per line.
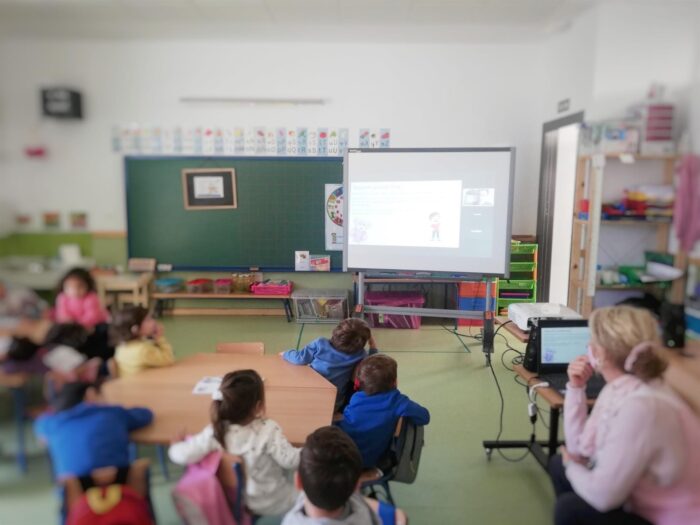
(407, 448)
(109, 496)
(210, 493)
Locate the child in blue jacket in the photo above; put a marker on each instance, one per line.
(335, 358)
(83, 434)
(373, 412)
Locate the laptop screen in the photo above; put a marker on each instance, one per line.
(559, 345)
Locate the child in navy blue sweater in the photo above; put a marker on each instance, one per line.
(335, 358)
(372, 414)
(83, 434)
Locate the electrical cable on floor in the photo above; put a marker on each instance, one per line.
(458, 334)
(500, 421)
(459, 338)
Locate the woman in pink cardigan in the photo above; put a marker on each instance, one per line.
(636, 458)
(77, 301)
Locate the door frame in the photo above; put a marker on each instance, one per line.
(545, 205)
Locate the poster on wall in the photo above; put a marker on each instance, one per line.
(334, 217)
(78, 220)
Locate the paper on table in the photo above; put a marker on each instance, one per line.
(207, 386)
(64, 359)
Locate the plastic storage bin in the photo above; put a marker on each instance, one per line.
(169, 285)
(475, 289)
(242, 282)
(401, 299)
(272, 288)
(222, 286)
(320, 306)
(200, 286)
(476, 303)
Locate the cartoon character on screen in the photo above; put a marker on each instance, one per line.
(435, 226)
(358, 232)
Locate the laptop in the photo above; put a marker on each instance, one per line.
(560, 342)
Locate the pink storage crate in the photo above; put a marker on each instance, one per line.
(223, 286)
(408, 299)
(272, 288)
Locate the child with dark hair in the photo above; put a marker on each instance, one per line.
(238, 426)
(23, 356)
(373, 412)
(329, 474)
(335, 358)
(83, 434)
(77, 300)
(139, 341)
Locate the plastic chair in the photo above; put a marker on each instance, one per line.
(232, 478)
(370, 478)
(255, 348)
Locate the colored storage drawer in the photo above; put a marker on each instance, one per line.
(475, 303)
(475, 289)
(523, 266)
(523, 248)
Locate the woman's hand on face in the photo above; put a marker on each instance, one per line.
(579, 371)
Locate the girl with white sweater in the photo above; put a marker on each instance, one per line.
(238, 427)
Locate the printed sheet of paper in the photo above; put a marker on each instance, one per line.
(207, 386)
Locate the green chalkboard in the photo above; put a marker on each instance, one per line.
(280, 210)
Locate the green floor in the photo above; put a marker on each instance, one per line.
(455, 484)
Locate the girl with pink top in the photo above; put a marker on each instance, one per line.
(77, 301)
(635, 459)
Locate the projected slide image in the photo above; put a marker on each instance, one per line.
(484, 197)
(406, 213)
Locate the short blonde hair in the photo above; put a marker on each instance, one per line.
(618, 329)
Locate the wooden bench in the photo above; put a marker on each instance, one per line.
(165, 303)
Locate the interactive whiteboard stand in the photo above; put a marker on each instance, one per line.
(487, 315)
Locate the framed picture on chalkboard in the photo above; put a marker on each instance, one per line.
(209, 189)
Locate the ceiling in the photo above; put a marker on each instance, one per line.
(295, 20)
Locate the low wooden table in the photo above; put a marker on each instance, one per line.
(683, 375)
(510, 326)
(133, 288)
(165, 303)
(296, 397)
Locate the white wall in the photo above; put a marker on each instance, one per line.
(569, 64)
(429, 95)
(638, 44)
(695, 91)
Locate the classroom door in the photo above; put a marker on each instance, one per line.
(556, 207)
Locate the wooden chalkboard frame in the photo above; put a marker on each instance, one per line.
(228, 201)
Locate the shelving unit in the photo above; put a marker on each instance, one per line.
(520, 288)
(586, 231)
(523, 277)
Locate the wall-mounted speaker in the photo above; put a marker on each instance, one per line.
(61, 103)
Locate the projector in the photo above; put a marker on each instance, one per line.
(521, 313)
